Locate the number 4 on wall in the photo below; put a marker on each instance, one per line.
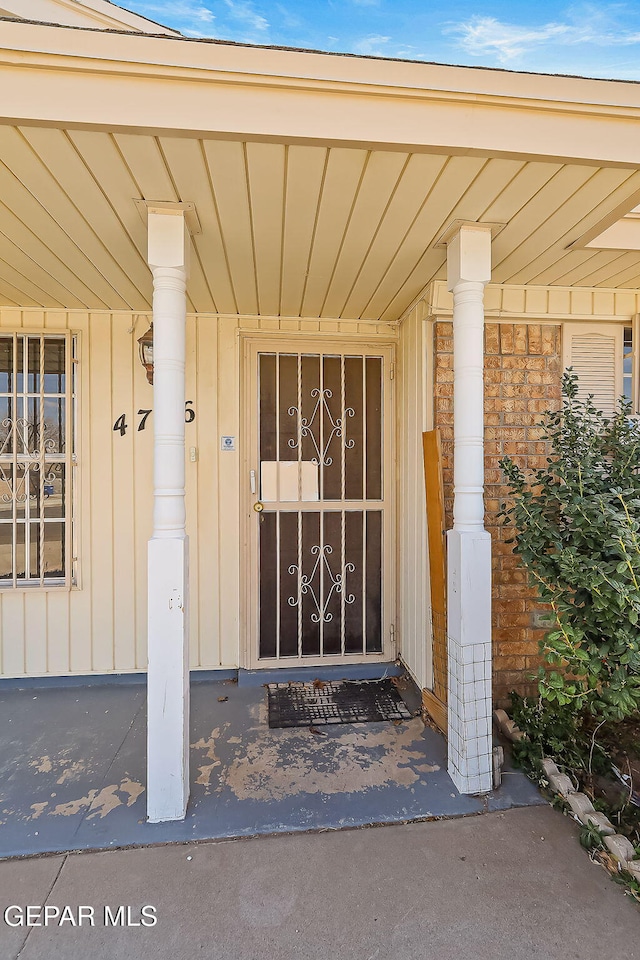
(121, 425)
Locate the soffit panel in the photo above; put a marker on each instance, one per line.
(287, 230)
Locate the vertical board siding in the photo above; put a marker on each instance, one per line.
(192, 439)
(99, 626)
(206, 404)
(104, 401)
(142, 490)
(227, 503)
(414, 612)
(122, 485)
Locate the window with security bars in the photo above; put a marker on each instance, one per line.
(37, 398)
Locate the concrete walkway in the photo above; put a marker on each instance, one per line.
(514, 885)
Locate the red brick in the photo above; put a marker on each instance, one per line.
(514, 620)
(510, 589)
(524, 363)
(516, 389)
(491, 338)
(518, 648)
(506, 338)
(517, 446)
(521, 419)
(549, 337)
(546, 378)
(520, 338)
(509, 606)
(534, 338)
(509, 663)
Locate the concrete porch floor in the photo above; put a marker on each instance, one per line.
(72, 771)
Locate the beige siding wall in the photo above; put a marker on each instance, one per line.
(550, 304)
(99, 626)
(414, 607)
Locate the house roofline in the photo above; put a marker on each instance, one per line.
(100, 14)
(215, 88)
(218, 41)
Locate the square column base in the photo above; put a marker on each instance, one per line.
(168, 680)
(470, 743)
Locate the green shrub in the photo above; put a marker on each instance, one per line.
(558, 731)
(576, 527)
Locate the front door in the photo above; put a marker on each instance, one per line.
(321, 519)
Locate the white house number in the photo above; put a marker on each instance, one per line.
(121, 426)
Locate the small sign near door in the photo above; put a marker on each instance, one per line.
(227, 443)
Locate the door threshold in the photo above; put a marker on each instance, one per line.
(346, 671)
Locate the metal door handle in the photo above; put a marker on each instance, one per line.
(258, 507)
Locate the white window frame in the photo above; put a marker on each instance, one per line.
(635, 364)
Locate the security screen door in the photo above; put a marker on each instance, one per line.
(321, 511)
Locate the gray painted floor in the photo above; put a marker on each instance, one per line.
(505, 886)
(72, 771)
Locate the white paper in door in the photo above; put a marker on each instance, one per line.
(294, 480)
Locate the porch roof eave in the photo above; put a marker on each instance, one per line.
(187, 86)
(323, 184)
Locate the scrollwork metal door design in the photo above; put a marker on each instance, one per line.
(321, 453)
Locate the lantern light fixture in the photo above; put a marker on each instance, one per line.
(145, 346)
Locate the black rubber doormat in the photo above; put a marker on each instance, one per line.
(335, 701)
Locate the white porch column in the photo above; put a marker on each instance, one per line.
(469, 544)
(168, 576)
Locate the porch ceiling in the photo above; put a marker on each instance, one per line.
(290, 230)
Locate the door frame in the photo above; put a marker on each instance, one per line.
(251, 345)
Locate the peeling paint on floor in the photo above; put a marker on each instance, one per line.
(99, 803)
(72, 772)
(38, 809)
(289, 762)
(72, 807)
(132, 789)
(43, 765)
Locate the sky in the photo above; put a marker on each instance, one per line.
(587, 39)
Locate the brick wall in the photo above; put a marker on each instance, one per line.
(522, 379)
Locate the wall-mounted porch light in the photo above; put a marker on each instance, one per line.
(145, 346)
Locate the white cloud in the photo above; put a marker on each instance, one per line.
(288, 18)
(507, 42)
(190, 14)
(372, 46)
(243, 11)
(234, 19)
(376, 45)
(481, 35)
